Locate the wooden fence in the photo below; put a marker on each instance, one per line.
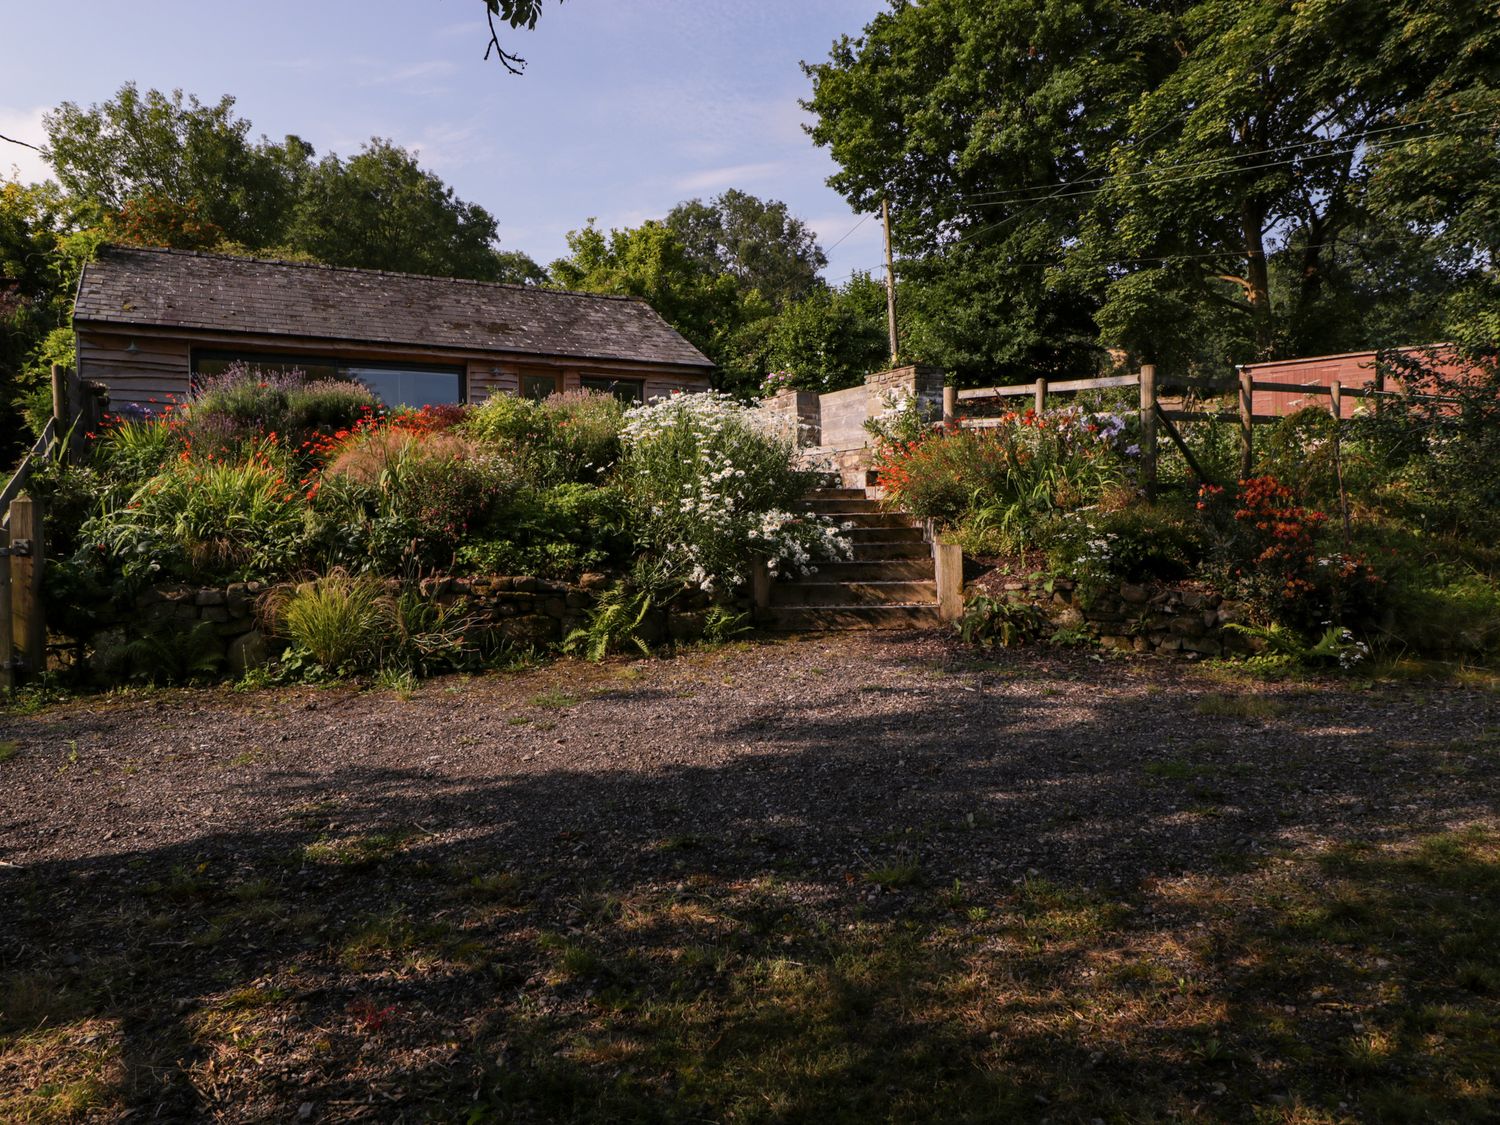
(77, 409)
(1157, 419)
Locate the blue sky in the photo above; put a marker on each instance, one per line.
(627, 106)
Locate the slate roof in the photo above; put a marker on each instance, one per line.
(218, 293)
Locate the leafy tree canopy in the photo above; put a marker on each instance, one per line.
(176, 153)
(1195, 182)
(757, 242)
(651, 262)
(381, 210)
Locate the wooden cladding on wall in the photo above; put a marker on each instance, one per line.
(137, 369)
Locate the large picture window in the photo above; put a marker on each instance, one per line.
(538, 385)
(626, 390)
(395, 384)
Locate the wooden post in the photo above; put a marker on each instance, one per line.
(1247, 425)
(7, 650)
(948, 570)
(27, 556)
(950, 403)
(890, 281)
(1336, 408)
(760, 588)
(1148, 430)
(61, 408)
(1039, 400)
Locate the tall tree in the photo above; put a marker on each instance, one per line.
(651, 262)
(163, 151)
(757, 242)
(1180, 179)
(381, 210)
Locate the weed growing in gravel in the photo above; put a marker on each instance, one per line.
(901, 872)
(8, 750)
(1239, 707)
(554, 700)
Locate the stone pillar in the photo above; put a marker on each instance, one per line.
(801, 409)
(926, 383)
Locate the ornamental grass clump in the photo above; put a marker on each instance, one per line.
(342, 623)
(712, 486)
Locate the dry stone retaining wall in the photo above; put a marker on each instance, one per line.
(522, 611)
(1168, 620)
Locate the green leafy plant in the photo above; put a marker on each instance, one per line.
(164, 655)
(987, 621)
(572, 437)
(614, 624)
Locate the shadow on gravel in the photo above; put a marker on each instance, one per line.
(972, 908)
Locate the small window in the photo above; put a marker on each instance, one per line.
(538, 386)
(626, 390)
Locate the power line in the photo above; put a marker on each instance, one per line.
(863, 219)
(1022, 194)
(1376, 147)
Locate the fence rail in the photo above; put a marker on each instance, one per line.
(1156, 418)
(77, 409)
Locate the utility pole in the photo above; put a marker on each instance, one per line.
(890, 278)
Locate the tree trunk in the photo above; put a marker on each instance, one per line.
(1257, 278)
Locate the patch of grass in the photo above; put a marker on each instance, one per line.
(900, 872)
(1239, 706)
(554, 700)
(355, 851)
(8, 750)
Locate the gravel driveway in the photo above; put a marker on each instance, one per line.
(171, 845)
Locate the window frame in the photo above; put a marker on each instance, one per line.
(341, 365)
(636, 383)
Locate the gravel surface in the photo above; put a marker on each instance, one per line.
(332, 905)
(813, 756)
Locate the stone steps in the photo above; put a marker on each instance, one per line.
(854, 593)
(913, 569)
(889, 584)
(810, 619)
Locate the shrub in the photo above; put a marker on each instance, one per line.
(710, 486)
(572, 437)
(392, 501)
(1003, 478)
(554, 533)
(1274, 553)
(1140, 543)
(246, 404)
(205, 520)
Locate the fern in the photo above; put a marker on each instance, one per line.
(614, 624)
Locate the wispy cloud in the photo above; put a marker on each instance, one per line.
(432, 68)
(730, 176)
(25, 163)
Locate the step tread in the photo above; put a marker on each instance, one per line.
(821, 618)
(915, 569)
(894, 592)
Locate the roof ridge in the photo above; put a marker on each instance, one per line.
(121, 247)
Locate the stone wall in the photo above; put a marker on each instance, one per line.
(831, 427)
(1168, 620)
(522, 611)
